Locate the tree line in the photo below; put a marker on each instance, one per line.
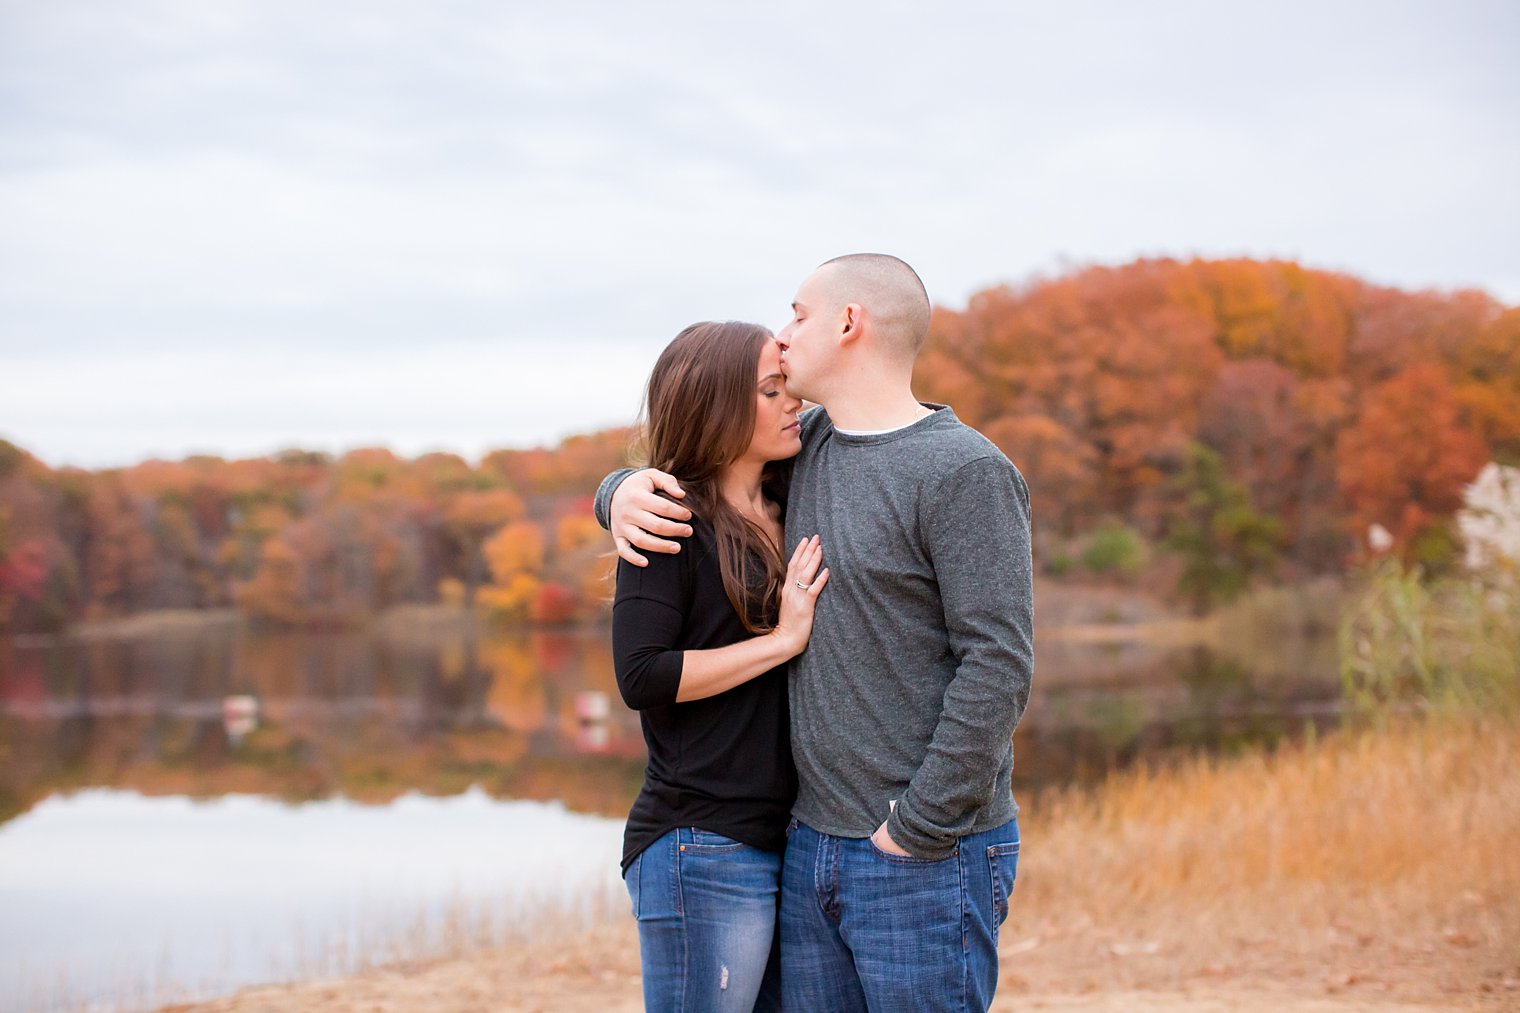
(1248, 417)
(1241, 419)
(307, 539)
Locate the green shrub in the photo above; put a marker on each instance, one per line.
(1114, 548)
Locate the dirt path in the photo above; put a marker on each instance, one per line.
(1083, 971)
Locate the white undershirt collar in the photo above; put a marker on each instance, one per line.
(879, 432)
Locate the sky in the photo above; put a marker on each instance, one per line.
(233, 227)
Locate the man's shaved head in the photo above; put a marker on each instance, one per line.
(889, 290)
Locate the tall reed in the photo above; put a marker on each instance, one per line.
(1445, 644)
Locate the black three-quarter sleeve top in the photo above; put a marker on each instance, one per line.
(724, 763)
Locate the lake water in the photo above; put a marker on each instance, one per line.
(185, 812)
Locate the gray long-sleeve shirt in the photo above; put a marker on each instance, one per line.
(922, 652)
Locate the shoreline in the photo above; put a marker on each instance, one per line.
(1153, 628)
(1266, 881)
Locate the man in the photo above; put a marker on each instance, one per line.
(905, 836)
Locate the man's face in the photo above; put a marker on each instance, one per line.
(806, 341)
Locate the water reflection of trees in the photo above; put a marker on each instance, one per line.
(1099, 708)
(368, 717)
(437, 708)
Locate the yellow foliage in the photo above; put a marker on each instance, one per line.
(512, 599)
(578, 532)
(515, 549)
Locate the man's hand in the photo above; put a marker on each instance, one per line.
(638, 515)
(883, 840)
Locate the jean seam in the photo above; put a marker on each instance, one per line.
(676, 898)
(832, 880)
(962, 858)
(681, 912)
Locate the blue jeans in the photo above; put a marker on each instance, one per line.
(706, 908)
(862, 929)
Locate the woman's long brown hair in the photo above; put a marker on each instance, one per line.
(699, 418)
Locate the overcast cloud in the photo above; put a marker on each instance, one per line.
(232, 227)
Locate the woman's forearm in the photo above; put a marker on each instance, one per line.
(712, 671)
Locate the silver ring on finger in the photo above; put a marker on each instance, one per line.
(802, 585)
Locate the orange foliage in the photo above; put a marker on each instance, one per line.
(1067, 466)
(576, 465)
(275, 590)
(516, 548)
(1334, 403)
(474, 511)
(1092, 383)
(1404, 462)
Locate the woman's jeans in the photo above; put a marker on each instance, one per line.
(706, 908)
(864, 929)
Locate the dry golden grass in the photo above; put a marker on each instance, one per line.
(1369, 809)
(1384, 862)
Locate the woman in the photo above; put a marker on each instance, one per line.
(700, 641)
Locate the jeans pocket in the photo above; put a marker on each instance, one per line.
(791, 826)
(697, 841)
(1003, 862)
(888, 856)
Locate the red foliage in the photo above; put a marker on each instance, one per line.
(553, 603)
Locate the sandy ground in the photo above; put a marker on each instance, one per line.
(1346, 968)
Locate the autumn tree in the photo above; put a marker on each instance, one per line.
(516, 558)
(1488, 391)
(469, 519)
(1405, 460)
(1067, 467)
(1250, 417)
(119, 561)
(1331, 404)
(277, 590)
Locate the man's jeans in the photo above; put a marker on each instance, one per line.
(706, 907)
(863, 929)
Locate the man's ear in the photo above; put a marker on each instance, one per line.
(850, 320)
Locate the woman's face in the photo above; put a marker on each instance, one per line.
(777, 434)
